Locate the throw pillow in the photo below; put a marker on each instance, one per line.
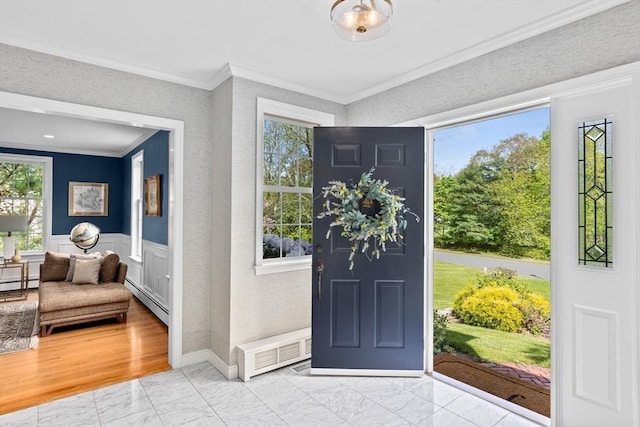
(109, 269)
(86, 271)
(55, 267)
(72, 263)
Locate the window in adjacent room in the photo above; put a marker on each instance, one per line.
(25, 189)
(285, 191)
(137, 163)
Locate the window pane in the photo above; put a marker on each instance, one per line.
(270, 136)
(306, 208)
(271, 166)
(271, 242)
(290, 208)
(288, 171)
(271, 212)
(305, 171)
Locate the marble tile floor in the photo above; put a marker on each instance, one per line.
(198, 395)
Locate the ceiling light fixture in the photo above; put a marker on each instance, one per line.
(48, 136)
(361, 20)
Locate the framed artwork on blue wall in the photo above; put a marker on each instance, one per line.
(152, 196)
(88, 199)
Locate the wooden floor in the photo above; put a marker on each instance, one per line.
(80, 358)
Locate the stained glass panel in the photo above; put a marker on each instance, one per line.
(594, 193)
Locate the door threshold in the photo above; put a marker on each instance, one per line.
(511, 407)
(367, 372)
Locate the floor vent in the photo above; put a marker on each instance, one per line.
(272, 353)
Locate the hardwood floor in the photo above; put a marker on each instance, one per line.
(80, 358)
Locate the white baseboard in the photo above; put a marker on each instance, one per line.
(367, 372)
(148, 302)
(230, 372)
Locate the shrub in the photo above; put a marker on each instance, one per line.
(440, 323)
(536, 314)
(500, 277)
(493, 307)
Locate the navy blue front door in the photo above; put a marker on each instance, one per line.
(372, 317)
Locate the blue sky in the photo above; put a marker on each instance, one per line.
(454, 147)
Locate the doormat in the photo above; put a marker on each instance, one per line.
(531, 396)
(18, 326)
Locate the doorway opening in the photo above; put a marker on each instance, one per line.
(491, 271)
(175, 182)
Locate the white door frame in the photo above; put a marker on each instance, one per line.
(176, 156)
(510, 104)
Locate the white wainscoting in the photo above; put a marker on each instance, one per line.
(148, 277)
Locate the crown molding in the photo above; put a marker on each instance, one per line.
(142, 138)
(36, 147)
(256, 76)
(94, 60)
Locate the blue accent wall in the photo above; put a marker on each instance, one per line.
(156, 162)
(117, 173)
(84, 168)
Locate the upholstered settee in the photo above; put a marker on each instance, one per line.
(77, 289)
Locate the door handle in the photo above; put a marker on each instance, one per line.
(319, 270)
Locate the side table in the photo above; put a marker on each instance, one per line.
(16, 294)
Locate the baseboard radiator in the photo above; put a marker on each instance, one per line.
(271, 353)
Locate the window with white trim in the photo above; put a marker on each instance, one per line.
(137, 171)
(284, 185)
(25, 189)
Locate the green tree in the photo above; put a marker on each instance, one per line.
(473, 214)
(21, 194)
(523, 194)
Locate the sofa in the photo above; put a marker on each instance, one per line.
(77, 289)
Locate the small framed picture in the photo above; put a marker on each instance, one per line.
(88, 199)
(152, 196)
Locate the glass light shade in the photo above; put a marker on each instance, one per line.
(361, 20)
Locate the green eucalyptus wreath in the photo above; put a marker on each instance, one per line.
(368, 232)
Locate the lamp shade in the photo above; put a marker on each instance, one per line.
(361, 20)
(9, 223)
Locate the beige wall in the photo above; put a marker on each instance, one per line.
(221, 236)
(265, 305)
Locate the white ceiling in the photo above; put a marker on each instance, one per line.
(288, 43)
(26, 129)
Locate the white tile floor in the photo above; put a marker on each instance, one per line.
(199, 395)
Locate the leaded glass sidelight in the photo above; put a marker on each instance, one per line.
(594, 193)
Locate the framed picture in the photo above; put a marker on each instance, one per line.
(152, 194)
(88, 199)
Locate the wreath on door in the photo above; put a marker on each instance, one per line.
(368, 213)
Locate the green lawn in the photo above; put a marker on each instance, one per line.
(482, 343)
(489, 345)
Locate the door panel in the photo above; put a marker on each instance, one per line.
(372, 317)
(594, 306)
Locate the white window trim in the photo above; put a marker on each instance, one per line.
(267, 107)
(47, 193)
(137, 173)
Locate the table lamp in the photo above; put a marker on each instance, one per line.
(9, 224)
